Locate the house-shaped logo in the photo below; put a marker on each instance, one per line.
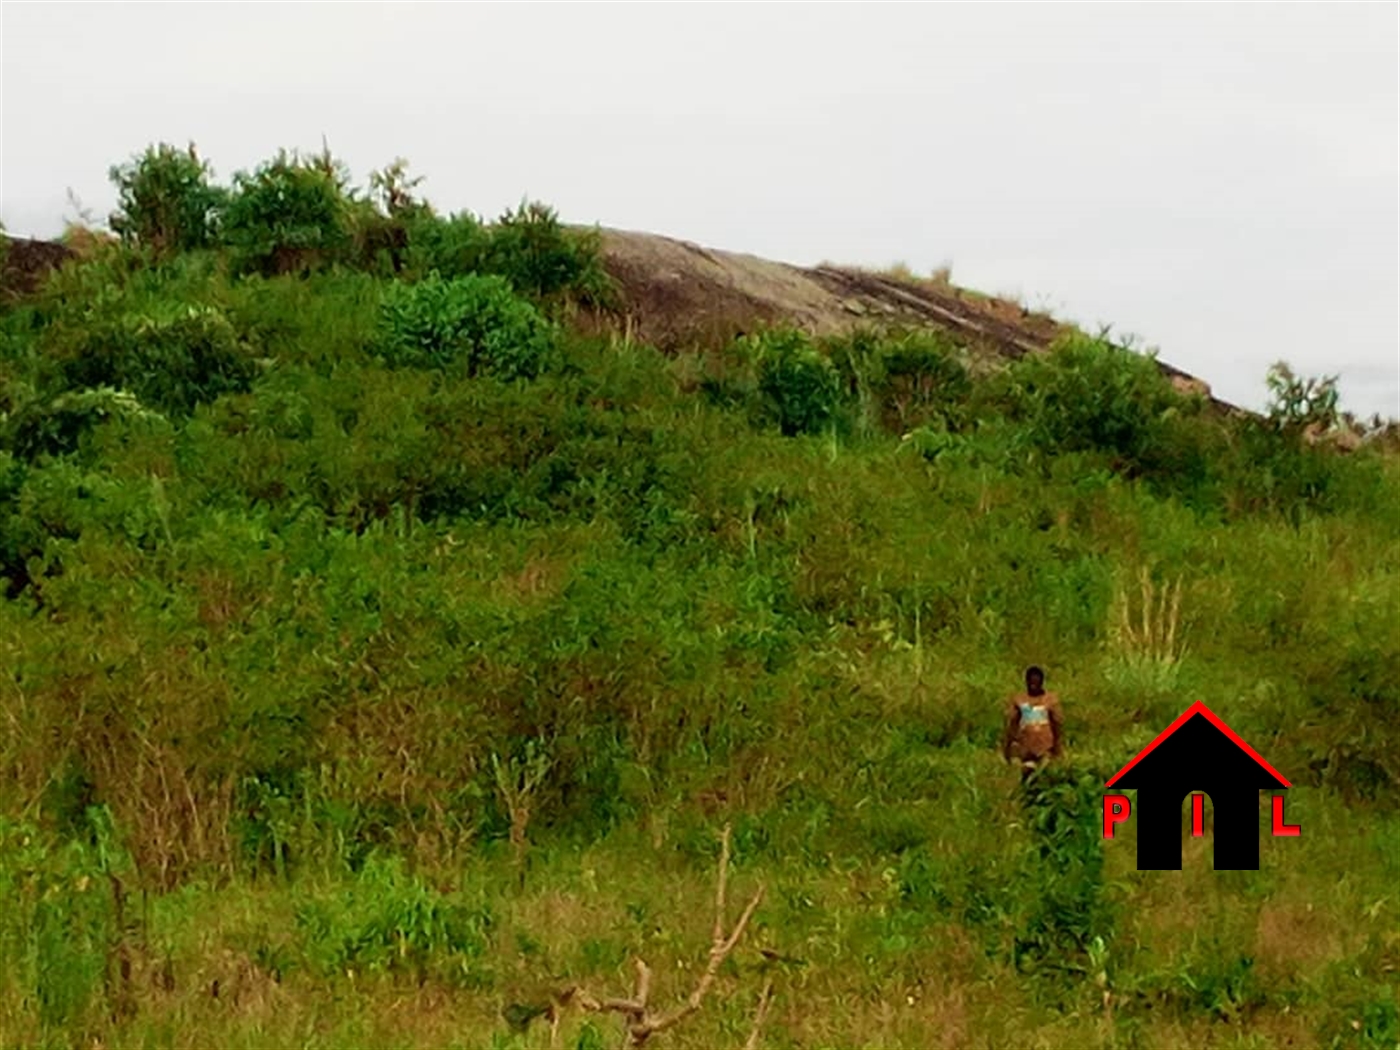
(1197, 753)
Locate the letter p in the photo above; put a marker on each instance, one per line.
(1116, 809)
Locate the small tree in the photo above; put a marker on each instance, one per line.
(165, 200)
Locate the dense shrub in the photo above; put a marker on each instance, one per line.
(287, 216)
(454, 246)
(475, 323)
(1088, 395)
(542, 258)
(528, 246)
(798, 386)
(165, 200)
(171, 357)
(1272, 469)
(1070, 908)
(389, 920)
(921, 379)
(33, 427)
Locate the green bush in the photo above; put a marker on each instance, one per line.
(921, 380)
(62, 927)
(1063, 904)
(1275, 464)
(453, 247)
(35, 427)
(475, 323)
(171, 357)
(799, 387)
(528, 246)
(1273, 469)
(288, 216)
(389, 920)
(1089, 396)
(542, 258)
(165, 200)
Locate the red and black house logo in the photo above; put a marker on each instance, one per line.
(1197, 753)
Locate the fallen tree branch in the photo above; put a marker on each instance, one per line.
(642, 1023)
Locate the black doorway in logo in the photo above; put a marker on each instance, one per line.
(1198, 752)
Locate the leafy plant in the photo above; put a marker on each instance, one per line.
(63, 928)
(392, 190)
(474, 323)
(171, 358)
(289, 215)
(1065, 911)
(455, 246)
(542, 258)
(922, 380)
(799, 387)
(165, 200)
(1088, 395)
(382, 221)
(33, 427)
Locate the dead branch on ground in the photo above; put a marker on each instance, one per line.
(641, 1019)
(760, 1015)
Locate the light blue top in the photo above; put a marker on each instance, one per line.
(1034, 714)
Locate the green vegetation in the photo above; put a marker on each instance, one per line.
(382, 656)
(165, 200)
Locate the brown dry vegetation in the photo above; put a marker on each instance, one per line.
(25, 262)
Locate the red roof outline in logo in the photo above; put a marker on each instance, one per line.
(1199, 708)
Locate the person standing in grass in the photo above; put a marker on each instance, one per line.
(1034, 725)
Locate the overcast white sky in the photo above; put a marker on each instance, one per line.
(1219, 179)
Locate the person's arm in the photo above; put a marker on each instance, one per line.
(1013, 719)
(1057, 728)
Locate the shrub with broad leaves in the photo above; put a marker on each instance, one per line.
(474, 323)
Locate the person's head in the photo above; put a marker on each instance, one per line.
(1035, 681)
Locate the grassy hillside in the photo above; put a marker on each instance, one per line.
(383, 656)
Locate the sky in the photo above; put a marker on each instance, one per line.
(1217, 180)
